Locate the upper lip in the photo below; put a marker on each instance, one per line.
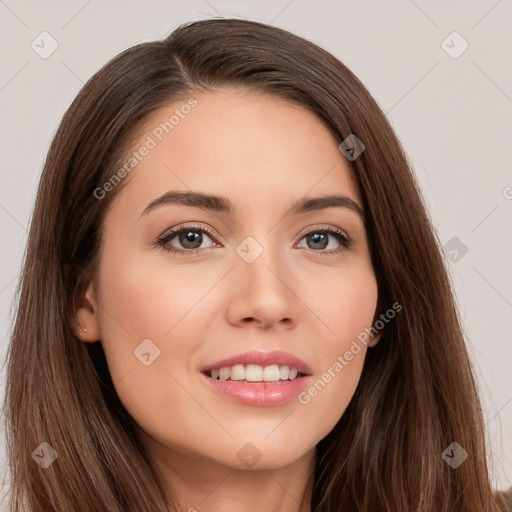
(278, 357)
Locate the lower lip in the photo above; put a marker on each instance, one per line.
(259, 393)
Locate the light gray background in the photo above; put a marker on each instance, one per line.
(453, 116)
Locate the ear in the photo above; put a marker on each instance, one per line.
(86, 314)
(374, 339)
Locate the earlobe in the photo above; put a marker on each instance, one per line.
(374, 340)
(86, 314)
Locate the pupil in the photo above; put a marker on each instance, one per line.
(318, 237)
(190, 238)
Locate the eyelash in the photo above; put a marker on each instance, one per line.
(162, 241)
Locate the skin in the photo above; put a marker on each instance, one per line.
(263, 153)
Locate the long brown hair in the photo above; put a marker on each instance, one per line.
(417, 393)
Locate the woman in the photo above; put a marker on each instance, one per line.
(233, 297)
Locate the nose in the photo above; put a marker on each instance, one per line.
(262, 293)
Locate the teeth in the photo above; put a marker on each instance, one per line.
(255, 373)
(271, 373)
(284, 372)
(237, 372)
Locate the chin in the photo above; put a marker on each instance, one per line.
(265, 454)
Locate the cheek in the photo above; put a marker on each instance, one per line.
(149, 300)
(346, 304)
(330, 392)
(347, 307)
(140, 301)
(153, 301)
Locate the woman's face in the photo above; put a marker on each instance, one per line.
(257, 277)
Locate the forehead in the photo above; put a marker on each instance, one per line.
(243, 145)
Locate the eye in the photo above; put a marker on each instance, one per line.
(190, 238)
(317, 239)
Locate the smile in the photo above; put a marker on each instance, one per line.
(255, 373)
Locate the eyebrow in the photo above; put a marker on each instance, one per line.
(224, 205)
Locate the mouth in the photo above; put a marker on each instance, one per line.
(253, 373)
(255, 385)
(259, 378)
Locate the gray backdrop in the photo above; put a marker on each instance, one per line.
(440, 70)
